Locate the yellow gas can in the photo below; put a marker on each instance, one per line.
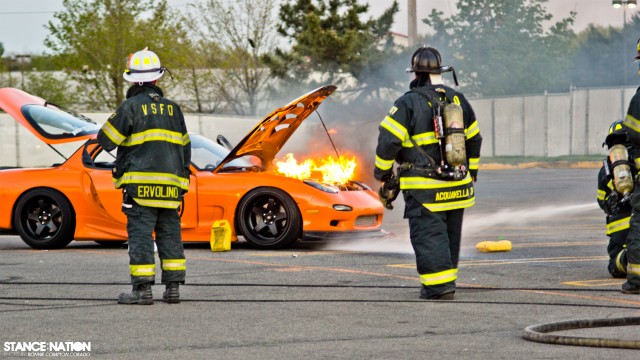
(221, 236)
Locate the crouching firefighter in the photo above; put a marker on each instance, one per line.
(615, 186)
(433, 136)
(152, 168)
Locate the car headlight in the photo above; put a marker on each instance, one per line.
(322, 187)
(340, 207)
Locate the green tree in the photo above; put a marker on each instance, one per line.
(231, 37)
(51, 86)
(94, 38)
(604, 55)
(504, 47)
(331, 43)
(3, 68)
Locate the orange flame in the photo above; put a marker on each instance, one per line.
(332, 170)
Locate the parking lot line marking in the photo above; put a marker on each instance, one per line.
(304, 253)
(596, 298)
(591, 283)
(559, 244)
(304, 267)
(463, 263)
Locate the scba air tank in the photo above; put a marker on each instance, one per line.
(455, 150)
(622, 176)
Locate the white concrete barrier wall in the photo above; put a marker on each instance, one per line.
(548, 125)
(21, 148)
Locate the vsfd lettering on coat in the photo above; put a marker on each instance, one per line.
(157, 108)
(455, 194)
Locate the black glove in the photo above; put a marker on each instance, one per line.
(389, 191)
(474, 175)
(613, 203)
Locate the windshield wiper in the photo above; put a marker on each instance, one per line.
(253, 168)
(68, 111)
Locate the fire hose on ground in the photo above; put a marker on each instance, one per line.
(540, 333)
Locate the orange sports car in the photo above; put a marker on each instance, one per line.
(75, 199)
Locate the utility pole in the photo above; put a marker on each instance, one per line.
(412, 22)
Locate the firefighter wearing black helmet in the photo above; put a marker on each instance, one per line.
(632, 126)
(432, 136)
(615, 186)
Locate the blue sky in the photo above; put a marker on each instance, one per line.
(22, 22)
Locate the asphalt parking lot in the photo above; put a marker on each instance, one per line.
(343, 300)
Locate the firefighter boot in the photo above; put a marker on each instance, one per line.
(172, 294)
(140, 295)
(424, 294)
(630, 289)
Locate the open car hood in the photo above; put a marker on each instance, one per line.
(48, 122)
(269, 135)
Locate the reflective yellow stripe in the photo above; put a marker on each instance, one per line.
(637, 160)
(154, 135)
(610, 185)
(168, 204)
(632, 123)
(474, 163)
(383, 164)
(472, 130)
(174, 264)
(416, 182)
(601, 194)
(395, 128)
(143, 270)
(619, 263)
(446, 206)
(438, 278)
(427, 138)
(618, 225)
(185, 139)
(633, 269)
(152, 178)
(113, 134)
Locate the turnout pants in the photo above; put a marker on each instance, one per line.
(435, 237)
(142, 221)
(633, 241)
(617, 230)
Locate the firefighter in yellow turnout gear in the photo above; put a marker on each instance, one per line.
(615, 186)
(632, 126)
(432, 134)
(152, 168)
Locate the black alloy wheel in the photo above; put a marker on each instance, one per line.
(269, 219)
(44, 219)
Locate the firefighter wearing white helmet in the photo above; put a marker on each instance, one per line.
(432, 133)
(143, 66)
(152, 169)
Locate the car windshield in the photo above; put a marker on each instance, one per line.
(54, 123)
(206, 155)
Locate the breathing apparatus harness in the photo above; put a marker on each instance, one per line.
(449, 130)
(618, 167)
(448, 125)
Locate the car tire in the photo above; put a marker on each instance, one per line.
(44, 219)
(268, 219)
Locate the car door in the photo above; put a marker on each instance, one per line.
(98, 164)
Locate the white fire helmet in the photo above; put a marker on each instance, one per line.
(143, 66)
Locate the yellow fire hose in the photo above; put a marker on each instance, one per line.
(538, 333)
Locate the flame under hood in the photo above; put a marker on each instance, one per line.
(269, 135)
